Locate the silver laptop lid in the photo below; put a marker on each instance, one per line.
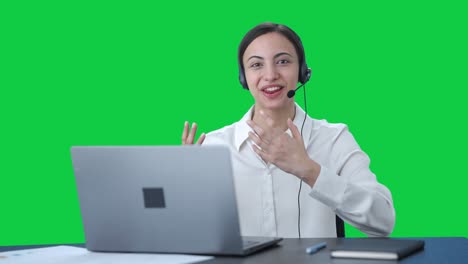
(174, 199)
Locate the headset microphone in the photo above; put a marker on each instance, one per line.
(291, 93)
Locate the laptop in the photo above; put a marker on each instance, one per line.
(162, 199)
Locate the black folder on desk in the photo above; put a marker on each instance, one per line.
(376, 248)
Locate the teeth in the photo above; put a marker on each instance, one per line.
(272, 89)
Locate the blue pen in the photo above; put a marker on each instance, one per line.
(315, 248)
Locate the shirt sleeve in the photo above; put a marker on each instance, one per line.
(350, 189)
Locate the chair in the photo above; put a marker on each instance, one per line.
(340, 230)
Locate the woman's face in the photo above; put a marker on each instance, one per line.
(271, 69)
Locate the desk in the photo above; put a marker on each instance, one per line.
(436, 250)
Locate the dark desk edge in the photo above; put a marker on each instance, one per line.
(82, 245)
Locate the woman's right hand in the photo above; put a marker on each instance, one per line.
(188, 135)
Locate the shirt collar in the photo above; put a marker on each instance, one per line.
(242, 129)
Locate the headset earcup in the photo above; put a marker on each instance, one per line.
(305, 74)
(242, 79)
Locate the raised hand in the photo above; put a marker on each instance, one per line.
(188, 135)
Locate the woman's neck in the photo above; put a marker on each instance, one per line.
(279, 117)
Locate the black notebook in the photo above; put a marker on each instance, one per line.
(376, 248)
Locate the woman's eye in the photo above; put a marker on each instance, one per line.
(283, 61)
(255, 65)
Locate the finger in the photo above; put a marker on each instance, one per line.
(185, 132)
(262, 145)
(294, 130)
(201, 139)
(258, 130)
(192, 134)
(261, 153)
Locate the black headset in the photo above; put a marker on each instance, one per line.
(304, 73)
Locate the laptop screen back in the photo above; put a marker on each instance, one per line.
(173, 199)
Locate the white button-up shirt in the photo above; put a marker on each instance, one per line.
(267, 196)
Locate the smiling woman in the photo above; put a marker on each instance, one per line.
(271, 70)
(271, 158)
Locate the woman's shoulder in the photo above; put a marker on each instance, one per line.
(222, 131)
(336, 134)
(323, 124)
(220, 136)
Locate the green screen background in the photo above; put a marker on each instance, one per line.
(94, 73)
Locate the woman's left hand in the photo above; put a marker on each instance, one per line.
(286, 152)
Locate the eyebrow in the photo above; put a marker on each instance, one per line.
(276, 56)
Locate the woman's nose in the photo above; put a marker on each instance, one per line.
(271, 73)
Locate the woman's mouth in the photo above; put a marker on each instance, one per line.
(272, 91)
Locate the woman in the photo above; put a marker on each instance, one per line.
(271, 157)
